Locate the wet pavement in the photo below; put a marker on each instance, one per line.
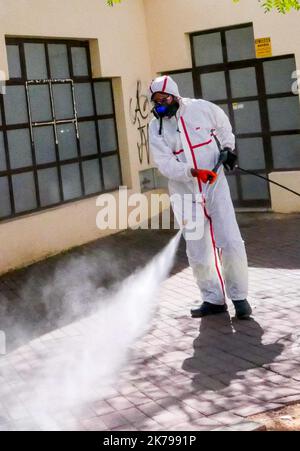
(184, 374)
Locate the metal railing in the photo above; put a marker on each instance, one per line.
(54, 122)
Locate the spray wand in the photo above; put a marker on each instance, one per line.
(267, 179)
(222, 159)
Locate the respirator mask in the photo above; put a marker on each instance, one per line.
(163, 108)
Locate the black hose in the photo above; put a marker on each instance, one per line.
(267, 179)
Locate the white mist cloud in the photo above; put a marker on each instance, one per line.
(88, 361)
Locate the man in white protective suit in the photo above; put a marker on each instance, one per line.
(186, 137)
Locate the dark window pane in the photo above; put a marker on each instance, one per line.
(278, 75)
(19, 146)
(243, 82)
(14, 66)
(15, 105)
(24, 192)
(251, 153)
(184, 81)
(104, 102)
(48, 186)
(84, 99)
(5, 208)
(80, 61)
(67, 141)
(224, 107)
(40, 103)
(213, 86)
(240, 44)
(88, 138)
(58, 57)
(286, 151)
(111, 172)
(208, 49)
(284, 113)
(63, 101)
(254, 188)
(35, 58)
(107, 132)
(71, 181)
(44, 144)
(2, 154)
(247, 117)
(92, 178)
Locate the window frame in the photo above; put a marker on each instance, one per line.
(57, 163)
(262, 97)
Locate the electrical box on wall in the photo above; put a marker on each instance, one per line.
(152, 179)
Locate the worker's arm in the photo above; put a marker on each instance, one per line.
(222, 127)
(165, 160)
(223, 131)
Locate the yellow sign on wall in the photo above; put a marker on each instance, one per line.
(263, 47)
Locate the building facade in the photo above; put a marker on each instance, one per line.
(74, 111)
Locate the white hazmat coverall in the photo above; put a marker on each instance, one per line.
(218, 258)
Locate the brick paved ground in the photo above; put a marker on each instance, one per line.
(184, 374)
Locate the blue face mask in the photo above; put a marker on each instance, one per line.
(161, 111)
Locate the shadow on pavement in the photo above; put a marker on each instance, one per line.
(226, 347)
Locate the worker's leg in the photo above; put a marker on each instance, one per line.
(228, 239)
(235, 270)
(203, 258)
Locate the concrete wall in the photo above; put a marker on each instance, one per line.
(170, 21)
(283, 201)
(119, 49)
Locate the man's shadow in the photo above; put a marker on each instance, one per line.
(225, 349)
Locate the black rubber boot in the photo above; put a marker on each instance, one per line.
(207, 308)
(243, 309)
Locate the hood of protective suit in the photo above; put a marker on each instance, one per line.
(164, 84)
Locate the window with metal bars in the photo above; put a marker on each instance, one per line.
(58, 138)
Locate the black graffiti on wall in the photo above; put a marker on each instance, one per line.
(139, 109)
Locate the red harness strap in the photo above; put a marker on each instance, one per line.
(205, 211)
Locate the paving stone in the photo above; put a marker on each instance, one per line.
(245, 426)
(113, 420)
(95, 424)
(254, 409)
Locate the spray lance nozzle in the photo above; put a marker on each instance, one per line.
(221, 160)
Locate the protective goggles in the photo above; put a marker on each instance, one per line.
(161, 99)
